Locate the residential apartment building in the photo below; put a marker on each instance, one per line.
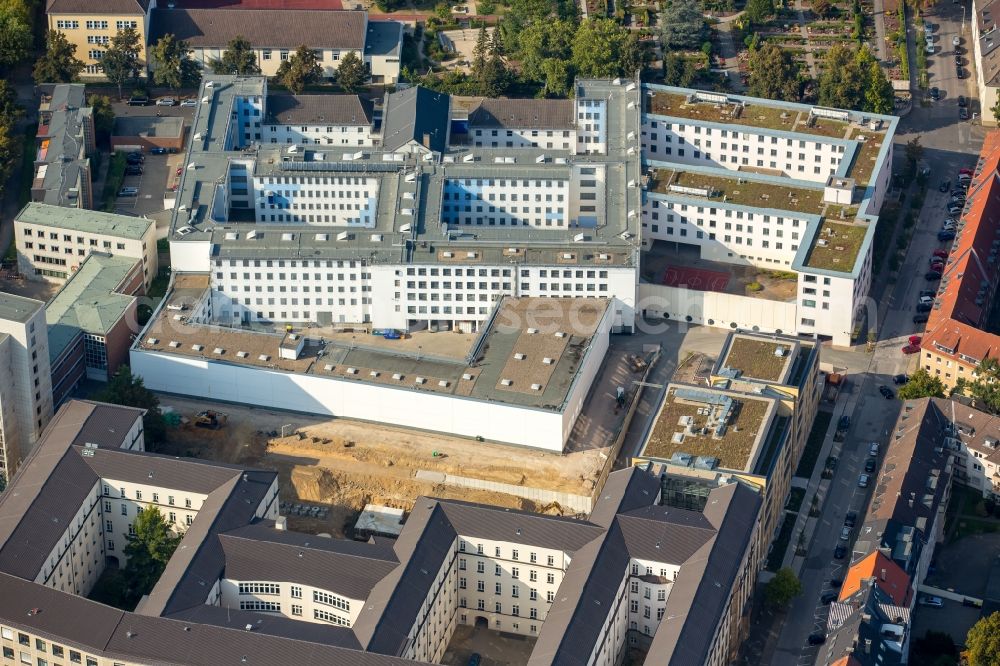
(956, 340)
(276, 33)
(53, 242)
(638, 571)
(986, 56)
(90, 24)
(26, 396)
(866, 628)
(65, 141)
(784, 245)
(321, 120)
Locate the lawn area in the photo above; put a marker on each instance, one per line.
(755, 358)
(969, 510)
(814, 444)
(836, 246)
(780, 545)
(116, 175)
(742, 190)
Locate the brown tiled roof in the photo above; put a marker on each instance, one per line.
(120, 7)
(524, 114)
(969, 281)
(270, 28)
(318, 110)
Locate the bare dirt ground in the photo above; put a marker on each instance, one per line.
(348, 464)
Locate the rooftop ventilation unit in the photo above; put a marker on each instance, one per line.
(287, 236)
(567, 255)
(264, 357)
(519, 356)
(532, 331)
(470, 255)
(447, 255)
(443, 383)
(175, 344)
(322, 237)
(373, 373)
(343, 235)
(560, 334)
(397, 376)
(536, 387)
(466, 376)
(548, 361)
(242, 354)
(219, 351)
(352, 371)
(506, 382)
(420, 380)
(152, 341)
(403, 228)
(328, 367)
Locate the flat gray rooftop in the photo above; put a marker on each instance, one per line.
(149, 126)
(18, 308)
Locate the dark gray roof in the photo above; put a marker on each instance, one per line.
(700, 594)
(622, 492)
(349, 568)
(395, 601)
(665, 533)
(536, 529)
(385, 38)
(66, 156)
(188, 474)
(416, 114)
(524, 113)
(107, 425)
(318, 110)
(854, 629)
(267, 28)
(270, 624)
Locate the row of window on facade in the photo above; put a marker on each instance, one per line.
(96, 25)
(736, 134)
(41, 646)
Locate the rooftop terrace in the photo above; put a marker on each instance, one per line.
(836, 246)
(755, 358)
(690, 425)
(741, 191)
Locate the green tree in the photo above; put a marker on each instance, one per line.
(774, 74)
(442, 10)
(301, 69)
(59, 63)
(104, 116)
(983, 641)
(492, 74)
(781, 589)
(121, 61)
(148, 550)
(879, 97)
(10, 110)
(921, 385)
(351, 74)
(984, 388)
(538, 43)
(124, 389)
(15, 34)
(172, 63)
(604, 49)
(238, 58)
(558, 77)
(996, 111)
(914, 153)
(822, 8)
(936, 648)
(839, 85)
(758, 11)
(480, 52)
(683, 25)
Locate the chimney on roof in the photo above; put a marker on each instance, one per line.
(868, 646)
(281, 523)
(910, 502)
(427, 140)
(883, 575)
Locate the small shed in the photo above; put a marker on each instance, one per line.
(146, 132)
(378, 520)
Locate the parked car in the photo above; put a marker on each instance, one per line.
(189, 102)
(959, 72)
(828, 597)
(816, 639)
(166, 101)
(133, 170)
(838, 554)
(962, 101)
(914, 339)
(945, 235)
(845, 533)
(928, 28)
(929, 292)
(886, 392)
(920, 319)
(157, 151)
(851, 518)
(475, 659)
(935, 93)
(831, 462)
(863, 481)
(924, 307)
(128, 192)
(940, 254)
(954, 209)
(944, 186)
(965, 170)
(900, 379)
(873, 449)
(958, 60)
(138, 101)
(931, 276)
(870, 465)
(928, 600)
(956, 40)
(963, 113)
(134, 158)
(844, 423)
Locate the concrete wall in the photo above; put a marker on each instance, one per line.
(350, 399)
(716, 309)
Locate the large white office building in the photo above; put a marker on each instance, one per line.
(760, 214)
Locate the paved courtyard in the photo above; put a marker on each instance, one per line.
(495, 648)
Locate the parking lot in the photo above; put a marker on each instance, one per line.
(159, 175)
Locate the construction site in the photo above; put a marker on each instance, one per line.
(331, 468)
